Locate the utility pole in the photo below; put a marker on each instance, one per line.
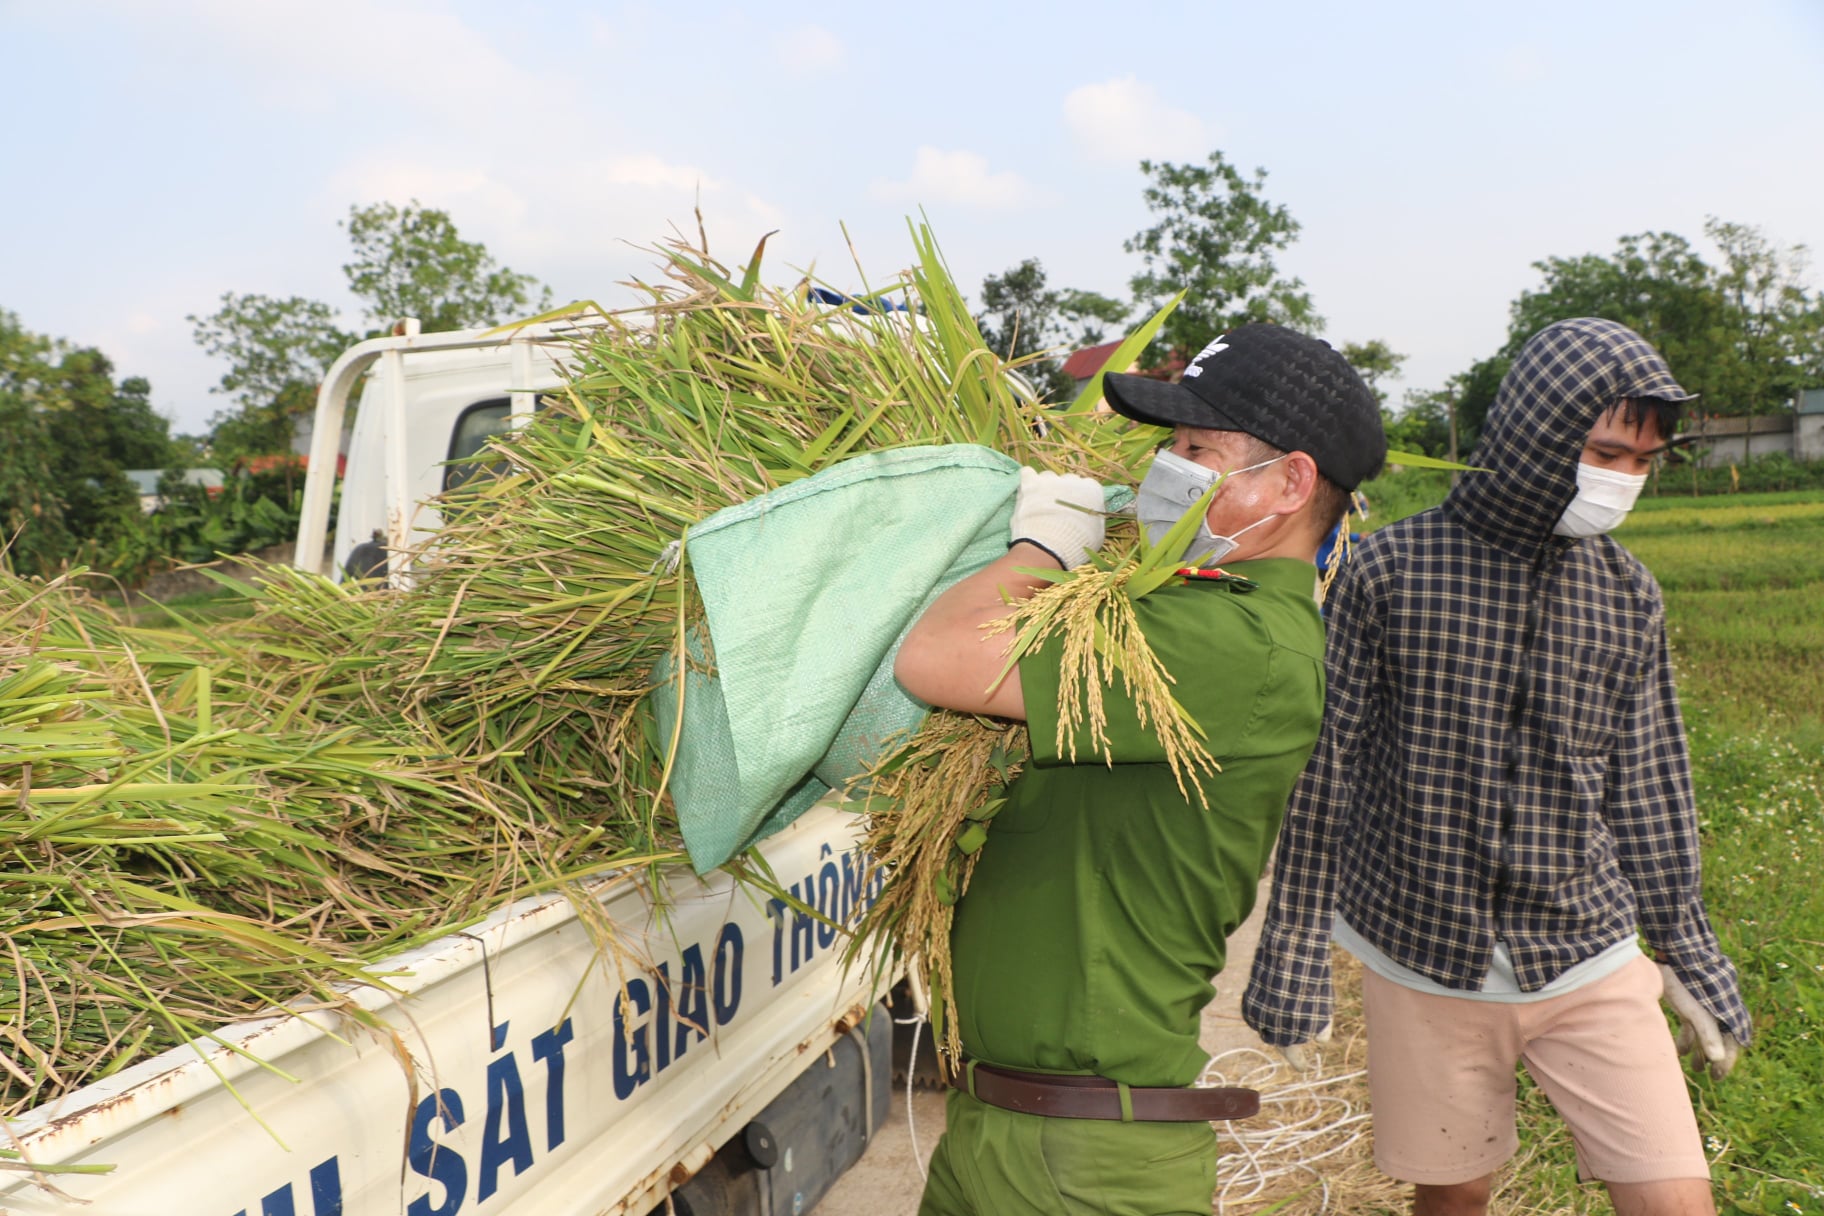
(1450, 413)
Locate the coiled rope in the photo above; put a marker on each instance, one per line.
(1300, 1124)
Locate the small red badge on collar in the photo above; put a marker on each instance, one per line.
(1216, 574)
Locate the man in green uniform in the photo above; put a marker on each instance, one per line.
(1101, 905)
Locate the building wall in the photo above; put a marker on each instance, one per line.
(1739, 440)
(1809, 438)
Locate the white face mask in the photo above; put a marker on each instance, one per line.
(1604, 498)
(1174, 485)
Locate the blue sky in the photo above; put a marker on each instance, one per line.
(160, 154)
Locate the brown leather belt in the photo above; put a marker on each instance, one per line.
(1067, 1097)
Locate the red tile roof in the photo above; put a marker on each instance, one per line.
(1083, 364)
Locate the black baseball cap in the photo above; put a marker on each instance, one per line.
(1285, 388)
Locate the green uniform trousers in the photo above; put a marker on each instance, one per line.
(994, 1162)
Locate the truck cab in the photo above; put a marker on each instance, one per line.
(426, 400)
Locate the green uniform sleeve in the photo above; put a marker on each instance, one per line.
(1128, 741)
(1209, 640)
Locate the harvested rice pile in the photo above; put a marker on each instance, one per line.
(200, 823)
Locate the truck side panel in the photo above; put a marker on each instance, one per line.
(521, 1071)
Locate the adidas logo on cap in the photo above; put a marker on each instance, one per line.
(1196, 369)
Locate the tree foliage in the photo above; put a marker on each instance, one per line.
(1744, 333)
(1374, 361)
(70, 434)
(270, 344)
(407, 261)
(32, 534)
(91, 447)
(1775, 321)
(1023, 319)
(277, 351)
(1475, 390)
(253, 509)
(1422, 423)
(411, 262)
(1742, 329)
(1216, 236)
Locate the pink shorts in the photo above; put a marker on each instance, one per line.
(1441, 1080)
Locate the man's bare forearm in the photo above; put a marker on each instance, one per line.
(948, 660)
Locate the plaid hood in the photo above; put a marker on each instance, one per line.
(1565, 377)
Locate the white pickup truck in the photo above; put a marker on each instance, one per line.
(722, 1060)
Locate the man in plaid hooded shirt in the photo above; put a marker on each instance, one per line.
(1500, 803)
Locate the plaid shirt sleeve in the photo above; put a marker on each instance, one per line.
(1289, 995)
(1651, 811)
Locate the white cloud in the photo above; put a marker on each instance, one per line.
(1126, 120)
(955, 177)
(809, 49)
(312, 55)
(651, 172)
(473, 196)
(143, 323)
(599, 214)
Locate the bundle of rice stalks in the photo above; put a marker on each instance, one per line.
(929, 806)
(204, 822)
(177, 855)
(558, 590)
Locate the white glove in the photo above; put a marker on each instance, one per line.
(1698, 1031)
(1303, 1056)
(1061, 513)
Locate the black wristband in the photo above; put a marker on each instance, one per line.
(1045, 549)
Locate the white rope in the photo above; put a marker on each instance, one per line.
(917, 1022)
(1280, 1143)
(921, 1012)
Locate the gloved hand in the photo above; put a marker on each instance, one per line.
(1303, 1056)
(1698, 1031)
(1061, 513)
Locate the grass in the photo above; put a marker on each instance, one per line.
(1744, 583)
(1394, 496)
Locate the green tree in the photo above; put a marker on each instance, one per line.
(1374, 361)
(410, 262)
(92, 441)
(138, 435)
(270, 344)
(1655, 283)
(277, 351)
(1216, 238)
(1021, 319)
(70, 434)
(1743, 334)
(1775, 321)
(1475, 390)
(1422, 423)
(33, 539)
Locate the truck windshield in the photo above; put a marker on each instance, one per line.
(474, 427)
